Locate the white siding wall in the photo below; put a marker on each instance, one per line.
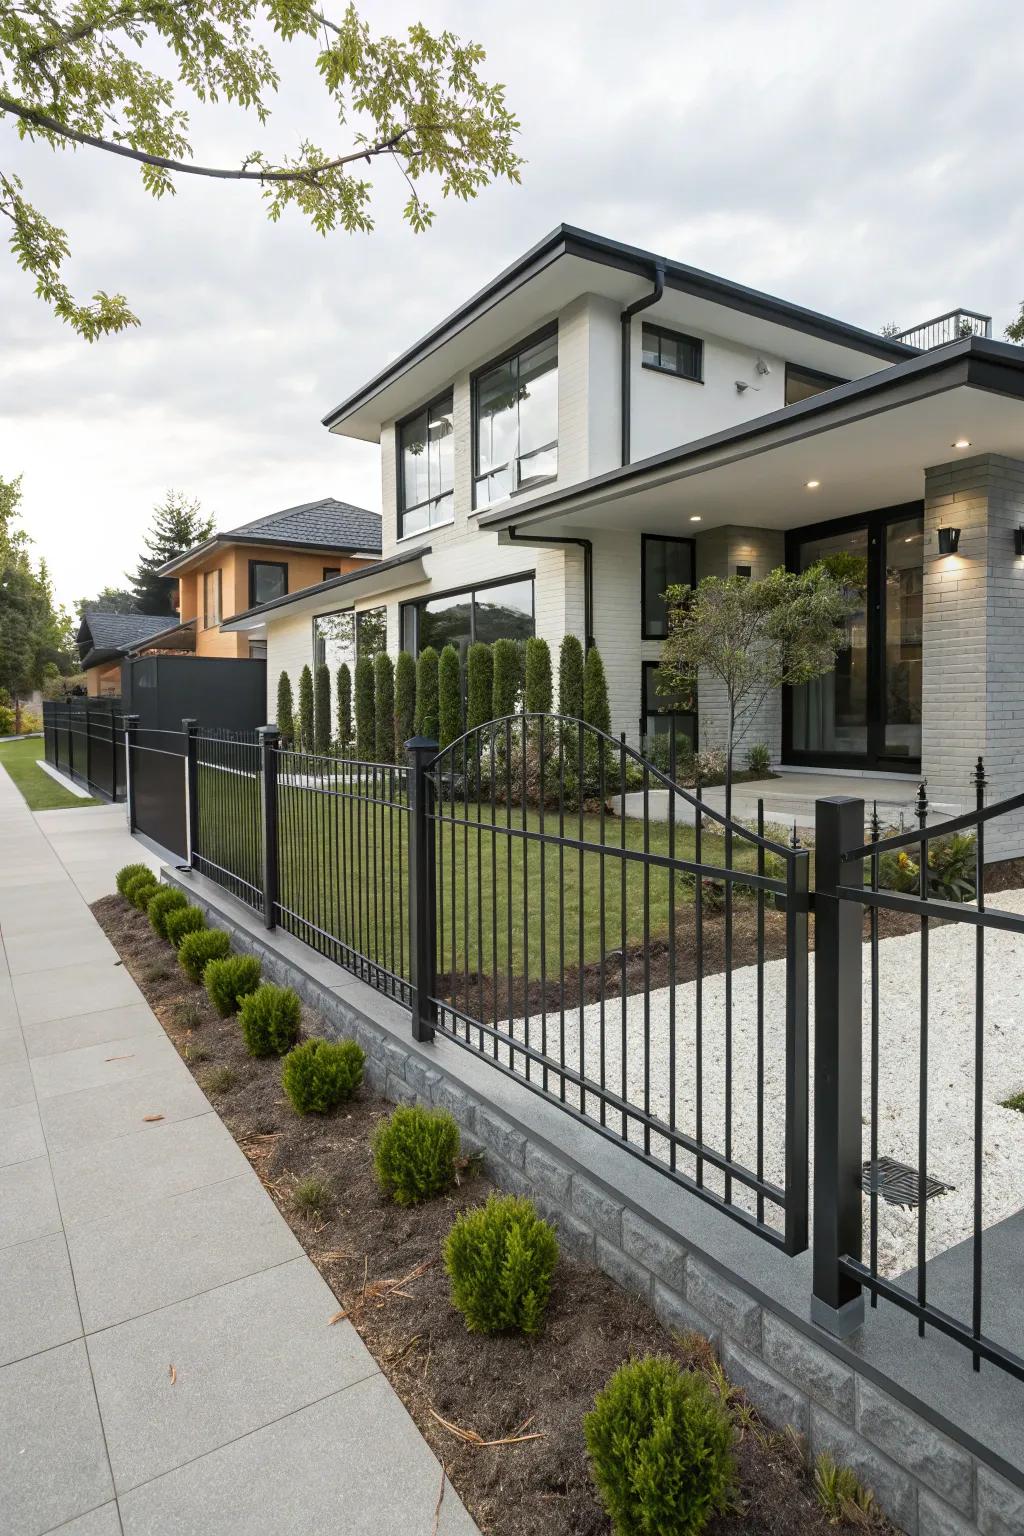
(666, 410)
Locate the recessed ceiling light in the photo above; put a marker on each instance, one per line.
(812, 485)
(962, 442)
(695, 518)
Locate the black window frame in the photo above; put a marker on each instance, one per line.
(447, 396)
(317, 642)
(330, 571)
(275, 565)
(533, 340)
(665, 332)
(662, 538)
(413, 604)
(648, 666)
(219, 573)
(813, 376)
(363, 615)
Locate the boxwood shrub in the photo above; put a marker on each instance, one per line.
(197, 949)
(270, 1020)
(415, 1152)
(128, 872)
(161, 906)
(318, 1075)
(140, 888)
(227, 981)
(500, 1259)
(185, 920)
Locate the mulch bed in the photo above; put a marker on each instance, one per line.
(383, 1264)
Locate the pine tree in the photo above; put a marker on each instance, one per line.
(178, 524)
(479, 685)
(570, 678)
(344, 690)
(426, 693)
(305, 741)
(449, 697)
(538, 677)
(285, 713)
(322, 710)
(365, 734)
(405, 703)
(384, 707)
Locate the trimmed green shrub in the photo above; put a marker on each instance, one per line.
(538, 676)
(304, 731)
(500, 1259)
(318, 1075)
(505, 659)
(285, 709)
(426, 693)
(161, 906)
(405, 703)
(129, 872)
(186, 920)
(415, 1152)
(384, 708)
(270, 1020)
(449, 697)
(228, 980)
(322, 710)
(344, 690)
(365, 742)
(660, 1446)
(141, 888)
(479, 685)
(570, 678)
(197, 949)
(596, 713)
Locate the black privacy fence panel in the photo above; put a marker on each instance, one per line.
(156, 763)
(227, 838)
(83, 738)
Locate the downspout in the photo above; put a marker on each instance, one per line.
(627, 333)
(588, 574)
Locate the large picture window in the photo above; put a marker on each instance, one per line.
(503, 611)
(371, 632)
(334, 639)
(516, 421)
(665, 562)
(426, 468)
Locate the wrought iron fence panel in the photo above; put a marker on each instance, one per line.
(156, 765)
(83, 739)
(227, 827)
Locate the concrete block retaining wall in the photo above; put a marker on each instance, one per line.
(930, 1482)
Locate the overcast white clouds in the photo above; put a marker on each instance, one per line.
(862, 158)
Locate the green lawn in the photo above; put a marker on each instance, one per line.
(39, 791)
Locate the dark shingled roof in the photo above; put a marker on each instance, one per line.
(102, 635)
(334, 524)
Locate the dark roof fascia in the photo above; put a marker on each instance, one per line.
(344, 580)
(567, 240)
(95, 658)
(262, 539)
(161, 634)
(991, 365)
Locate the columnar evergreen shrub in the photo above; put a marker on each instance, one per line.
(538, 676)
(660, 1445)
(270, 1019)
(318, 1075)
(285, 710)
(596, 713)
(161, 906)
(500, 1259)
(305, 722)
(479, 685)
(228, 980)
(344, 691)
(570, 678)
(365, 734)
(426, 693)
(186, 920)
(384, 707)
(415, 1153)
(141, 889)
(449, 696)
(322, 710)
(505, 656)
(405, 703)
(129, 872)
(197, 949)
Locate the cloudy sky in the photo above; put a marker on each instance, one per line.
(862, 158)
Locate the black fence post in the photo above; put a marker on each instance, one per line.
(837, 1303)
(269, 740)
(131, 726)
(112, 734)
(88, 746)
(422, 889)
(190, 730)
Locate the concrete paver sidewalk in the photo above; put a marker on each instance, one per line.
(166, 1368)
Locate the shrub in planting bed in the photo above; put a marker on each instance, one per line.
(270, 1020)
(161, 906)
(318, 1075)
(660, 1445)
(140, 889)
(227, 981)
(186, 920)
(128, 872)
(415, 1152)
(500, 1259)
(197, 949)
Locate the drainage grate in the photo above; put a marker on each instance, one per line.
(898, 1183)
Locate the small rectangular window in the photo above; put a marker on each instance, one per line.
(330, 571)
(802, 383)
(426, 468)
(257, 650)
(672, 352)
(268, 579)
(661, 712)
(665, 562)
(211, 599)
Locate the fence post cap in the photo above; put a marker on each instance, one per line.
(189, 724)
(267, 730)
(422, 744)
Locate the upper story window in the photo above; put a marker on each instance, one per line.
(211, 599)
(672, 352)
(515, 420)
(330, 571)
(665, 562)
(267, 579)
(802, 383)
(426, 468)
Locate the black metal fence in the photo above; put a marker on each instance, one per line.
(225, 823)
(83, 738)
(157, 792)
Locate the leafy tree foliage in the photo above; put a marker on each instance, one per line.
(178, 524)
(384, 707)
(87, 73)
(35, 634)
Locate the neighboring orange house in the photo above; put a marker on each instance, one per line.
(267, 558)
(104, 639)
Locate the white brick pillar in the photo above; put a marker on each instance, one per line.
(721, 552)
(973, 639)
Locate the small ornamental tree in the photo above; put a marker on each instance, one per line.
(506, 679)
(426, 693)
(365, 734)
(570, 678)
(751, 637)
(384, 707)
(479, 685)
(344, 692)
(322, 710)
(405, 703)
(449, 697)
(538, 677)
(305, 722)
(285, 709)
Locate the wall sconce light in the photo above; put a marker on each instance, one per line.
(949, 541)
(1018, 542)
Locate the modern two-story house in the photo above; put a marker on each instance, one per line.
(599, 422)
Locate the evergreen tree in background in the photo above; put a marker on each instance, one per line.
(426, 693)
(384, 707)
(285, 712)
(479, 685)
(178, 524)
(305, 733)
(322, 710)
(405, 703)
(449, 697)
(365, 732)
(344, 690)
(570, 678)
(107, 600)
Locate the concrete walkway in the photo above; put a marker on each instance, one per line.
(166, 1364)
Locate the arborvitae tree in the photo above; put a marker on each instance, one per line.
(596, 713)
(538, 677)
(405, 703)
(426, 693)
(322, 710)
(479, 685)
(305, 722)
(285, 714)
(449, 696)
(344, 692)
(384, 707)
(570, 678)
(178, 524)
(506, 678)
(365, 732)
